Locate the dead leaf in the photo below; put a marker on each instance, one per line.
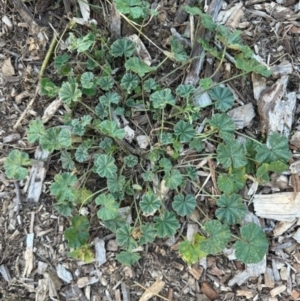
(7, 68)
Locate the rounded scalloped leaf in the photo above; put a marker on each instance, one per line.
(219, 237)
(232, 209)
(254, 245)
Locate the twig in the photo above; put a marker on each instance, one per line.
(148, 290)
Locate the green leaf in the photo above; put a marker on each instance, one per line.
(63, 186)
(232, 209)
(83, 253)
(251, 65)
(185, 91)
(50, 140)
(48, 88)
(35, 130)
(122, 47)
(131, 161)
(161, 98)
(66, 161)
(232, 154)
(165, 138)
(101, 110)
(64, 208)
(206, 83)
(206, 19)
(253, 246)
(276, 150)
(178, 51)
(129, 82)
(109, 98)
(124, 238)
(87, 80)
(69, 92)
(219, 237)
(148, 234)
(109, 207)
(128, 258)
(184, 205)
(84, 43)
(114, 224)
(111, 129)
(64, 138)
(166, 224)
(191, 251)
(184, 130)
(78, 234)
(148, 176)
(150, 85)
(166, 164)
(173, 179)
(197, 144)
(233, 181)
(149, 203)
(134, 8)
(223, 98)
(136, 65)
(224, 124)
(211, 50)
(115, 184)
(105, 82)
(81, 153)
(61, 60)
(105, 166)
(13, 165)
(82, 196)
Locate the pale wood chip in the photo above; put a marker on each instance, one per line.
(153, 290)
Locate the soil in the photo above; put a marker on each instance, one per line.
(25, 37)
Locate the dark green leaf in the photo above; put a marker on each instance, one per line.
(128, 258)
(233, 181)
(149, 203)
(223, 98)
(184, 130)
(173, 179)
(184, 205)
(166, 224)
(224, 124)
(136, 65)
(105, 166)
(124, 238)
(109, 207)
(122, 47)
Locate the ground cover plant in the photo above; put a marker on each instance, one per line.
(112, 85)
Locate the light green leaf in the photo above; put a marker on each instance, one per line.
(109, 207)
(185, 91)
(105, 166)
(131, 161)
(129, 82)
(184, 205)
(206, 83)
(166, 224)
(64, 138)
(50, 141)
(150, 85)
(178, 51)
(149, 203)
(111, 129)
(63, 186)
(197, 144)
(136, 65)
(173, 179)
(81, 153)
(253, 246)
(87, 80)
(35, 130)
(109, 98)
(224, 124)
(219, 237)
(83, 253)
(13, 165)
(122, 47)
(84, 43)
(48, 88)
(105, 82)
(232, 209)
(66, 161)
(161, 98)
(69, 92)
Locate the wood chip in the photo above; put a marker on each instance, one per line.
(207, 290)
(269, 278)
(277, 290)
(153, 290)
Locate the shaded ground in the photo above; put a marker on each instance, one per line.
(23, 50)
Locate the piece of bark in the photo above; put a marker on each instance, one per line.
(282, 227)
(242, 116)
(284, 68)
(181, 14)
(37, 175)
(207, 290)
(277, 290)
(284, 206)
(269, 278)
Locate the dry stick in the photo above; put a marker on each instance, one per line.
(149, 290)
(43, 68)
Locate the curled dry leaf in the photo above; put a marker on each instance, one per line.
(51, 110)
